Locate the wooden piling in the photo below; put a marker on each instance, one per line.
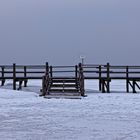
(103, 85)
(14, 76)
(100, 75)
(2, 75)
(76, 75)
(134, 89)
(20, 84)
(108, 78)
(51, 72)
(127, 79)
(25, 76)
(47, 68)
(43, 86)
(81, 80)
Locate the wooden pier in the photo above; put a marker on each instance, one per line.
(107, 73)
(70, 79)
(21, 74)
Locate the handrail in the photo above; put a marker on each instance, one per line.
(63, 66)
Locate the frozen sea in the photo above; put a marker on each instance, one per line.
(26, 116)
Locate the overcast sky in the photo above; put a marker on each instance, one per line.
(59, 31)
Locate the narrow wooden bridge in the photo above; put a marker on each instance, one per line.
(70, 79)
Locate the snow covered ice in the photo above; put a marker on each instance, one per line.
(26, 116)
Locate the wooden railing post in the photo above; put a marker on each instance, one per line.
(43, 85)
(81, 80)
(76, 75)
(108, 78)
(46, 79)
(25, 75)
(47, 68)
(51, 72)
(127, 79)
(76, 71)
(2, 75)
(100, 76)
(14, 76)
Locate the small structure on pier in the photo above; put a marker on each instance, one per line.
(64, 82)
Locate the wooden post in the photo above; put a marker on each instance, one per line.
(134, 90)
(20, 85)
(51, 73)
(108, 78)
(76, 71)
(127, 79)
(81, 80)
(25, 75)
(14, 76)
(100, 76)
(103, 85)
(83, 85)
(2, 75)
(76, 76)
(47, 68)
(43, 86)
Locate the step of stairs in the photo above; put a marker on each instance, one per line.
(63, 80)
(63, 85)
(62, 97)
(64, 90)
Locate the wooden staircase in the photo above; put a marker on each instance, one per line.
(63, 86)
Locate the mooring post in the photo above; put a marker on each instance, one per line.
(108, 78)
(100, 76)
(2, 75)
(25, 76)
(127, 79)
(14, 76)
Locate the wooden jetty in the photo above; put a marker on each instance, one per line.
(106, 73)
(69, 80)
(21, 73)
